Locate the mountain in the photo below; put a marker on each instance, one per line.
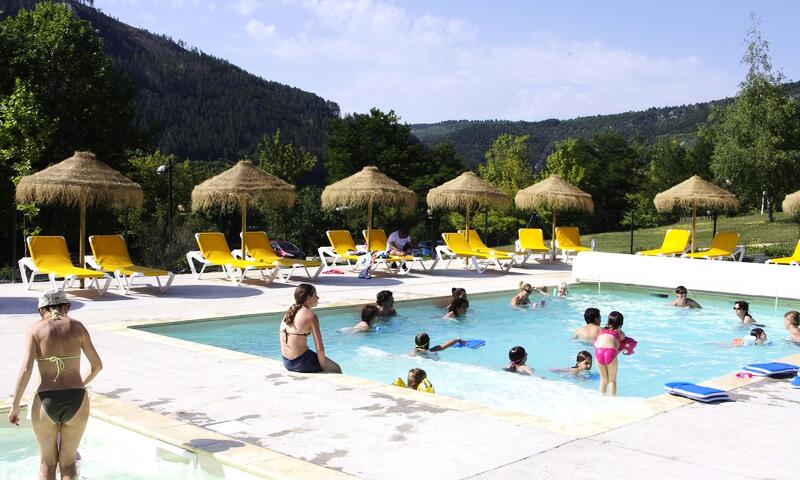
(197, 106)
(472, 138)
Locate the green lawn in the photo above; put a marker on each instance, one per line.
(774, 239)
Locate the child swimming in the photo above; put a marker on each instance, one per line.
(458, 308)
(517, 357)
(583, 364)
(757, 337)
(368, 315)
(422, 346)
(522, 296)
(606, 349)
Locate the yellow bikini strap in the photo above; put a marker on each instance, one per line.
(59, 363)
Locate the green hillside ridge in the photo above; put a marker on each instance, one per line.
(472, 138)
(197, 106)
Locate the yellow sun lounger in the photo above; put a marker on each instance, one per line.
(49, 256)
(456, 247)
(568, 239)
(110, 255)
(793, 260)
(342, 248)
(531, 241)
(675, 242)
(260, 249)
(476, 244)
(378, 242)
(722, 246)
(214, 252)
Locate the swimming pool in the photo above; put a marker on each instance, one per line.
(108, 451)
(674, 344)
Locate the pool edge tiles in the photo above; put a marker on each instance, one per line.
(243, 457)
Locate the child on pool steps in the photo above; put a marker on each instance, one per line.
(606, 350)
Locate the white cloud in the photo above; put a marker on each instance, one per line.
(246, 7)
(428, 68)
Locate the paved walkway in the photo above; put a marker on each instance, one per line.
(374, 431)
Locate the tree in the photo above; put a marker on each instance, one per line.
(284, 160)
(757, 149)
(507, 164)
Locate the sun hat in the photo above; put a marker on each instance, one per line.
(52, 297)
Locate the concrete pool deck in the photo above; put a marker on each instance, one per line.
(342, 427)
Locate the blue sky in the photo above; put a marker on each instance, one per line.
(517, 60)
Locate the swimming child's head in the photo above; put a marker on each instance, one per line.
(760, 335)
(459, 293)
(741, 307)
(562, 289)
(458, 306)
(681, 290)
(592, 316)
(792, 317)
(525, 287)
(583, 361)
(614, 320)
(369, 313)
(517, 356)
(415, 377)
(385, 299)
(422, 341)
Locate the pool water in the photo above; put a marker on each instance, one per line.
(110, 452)
(675, 344)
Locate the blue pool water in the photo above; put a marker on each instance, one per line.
(674, 344)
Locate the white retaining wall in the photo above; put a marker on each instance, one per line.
(755, 279)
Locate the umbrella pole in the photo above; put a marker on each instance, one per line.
(82, 230)
(369, 225)
(244, 227)
(466, 226)
(553, 238)
(694, 224)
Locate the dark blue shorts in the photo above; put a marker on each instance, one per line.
(305, 363)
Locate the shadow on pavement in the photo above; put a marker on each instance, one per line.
(23, 305)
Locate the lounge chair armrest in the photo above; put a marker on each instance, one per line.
(237, 254)
(518, 246)
(92, 262)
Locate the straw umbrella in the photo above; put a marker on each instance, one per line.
(368, 187)
(554, 194)
(467, 191)
(83, 181)
(241, 185)
(692, 193)
(791, 204)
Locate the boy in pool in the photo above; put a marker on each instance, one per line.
(590, 331)
(422, 346)
(757, 337)
(683, 300)
(791, 321)
(583, 363)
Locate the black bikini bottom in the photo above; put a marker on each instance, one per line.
(62, 405)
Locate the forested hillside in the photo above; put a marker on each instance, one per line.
(471, 139)
(197, 106)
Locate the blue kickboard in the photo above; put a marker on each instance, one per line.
(796, 382)
(771, 368)
(471, 343)
(696, 392)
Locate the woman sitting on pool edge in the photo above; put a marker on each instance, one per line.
(422, 346)
(457, 309)
(298, 323)
(517, 358)
(368, 316)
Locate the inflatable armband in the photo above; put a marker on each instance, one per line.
(425, 386)
(627, 346)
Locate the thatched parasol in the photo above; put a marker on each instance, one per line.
(554, 194)
(692, 193)
(368, 187)
(791, 204)
(80, 180)
(241, 185)
(466, 191)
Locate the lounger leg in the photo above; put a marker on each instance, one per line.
(25, 281)
(170, 278)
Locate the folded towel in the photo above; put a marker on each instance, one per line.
(696, 392)
(771, 369)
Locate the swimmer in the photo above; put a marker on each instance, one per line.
(457, 309)
(606, 349)
(385, 302)
(683, 300)
(757, 337)
(368, 316)
(791, 321)
(521, 298)
(583, 364)
(742, 311)
(590, 331)
(562, 289)
(415, 377)
(422, 346)
(517, 357)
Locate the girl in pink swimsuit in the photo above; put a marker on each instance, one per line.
(606, 349)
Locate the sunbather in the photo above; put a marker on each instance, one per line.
(399, 243)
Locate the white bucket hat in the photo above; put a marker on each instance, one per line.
(52, 297)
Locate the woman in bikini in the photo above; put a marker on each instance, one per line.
(60, 408)
(298, 323)
(606, 349)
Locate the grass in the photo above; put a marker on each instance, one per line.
(755, 233)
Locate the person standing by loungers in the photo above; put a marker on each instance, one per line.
(60, 408)
(298, 323)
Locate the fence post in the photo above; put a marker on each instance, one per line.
(714, 233)
(633, 218)
(13, 243)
